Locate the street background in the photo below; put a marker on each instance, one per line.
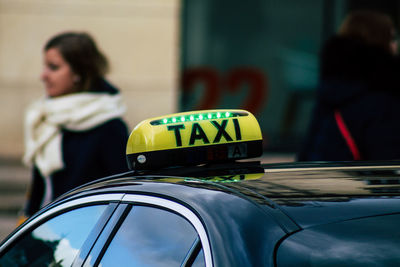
(14, 182)
(169, 56)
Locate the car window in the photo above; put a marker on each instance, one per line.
(151, 237)
(55, 242)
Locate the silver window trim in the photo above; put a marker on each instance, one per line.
(182, 210)
(63, 206)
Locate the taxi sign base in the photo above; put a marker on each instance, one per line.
(195, 155)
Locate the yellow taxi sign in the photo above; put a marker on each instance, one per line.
(193, 138)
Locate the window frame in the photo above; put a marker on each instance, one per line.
(179, 209)
(119, 206)
(65, 206)
(128, 202)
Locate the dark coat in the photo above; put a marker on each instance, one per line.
(87, 155)
(362, 82)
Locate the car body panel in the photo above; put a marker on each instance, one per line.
(370, 241)
(332, 210)
(254, 219)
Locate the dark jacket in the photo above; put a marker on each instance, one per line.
(87, 155)
(362, 82)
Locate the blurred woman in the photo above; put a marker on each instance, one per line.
(356, 116)
(75, 133)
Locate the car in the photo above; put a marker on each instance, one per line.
(198, 195)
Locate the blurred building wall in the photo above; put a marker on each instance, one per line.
(139, 37)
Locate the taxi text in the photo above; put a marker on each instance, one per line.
(197, 132)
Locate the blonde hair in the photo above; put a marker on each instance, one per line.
(369, 26)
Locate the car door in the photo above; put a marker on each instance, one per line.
(110, 230)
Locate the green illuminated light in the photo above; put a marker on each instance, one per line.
(198, 117)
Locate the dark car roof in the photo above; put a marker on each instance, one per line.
(294, 194)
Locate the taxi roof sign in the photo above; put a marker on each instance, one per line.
(192, 138)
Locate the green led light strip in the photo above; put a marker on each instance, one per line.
(198, 117)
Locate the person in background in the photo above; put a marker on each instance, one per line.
(356, 116)
(75, 133)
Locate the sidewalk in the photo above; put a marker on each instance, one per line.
(14, 181)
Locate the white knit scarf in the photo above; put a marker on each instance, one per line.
(77, 112)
